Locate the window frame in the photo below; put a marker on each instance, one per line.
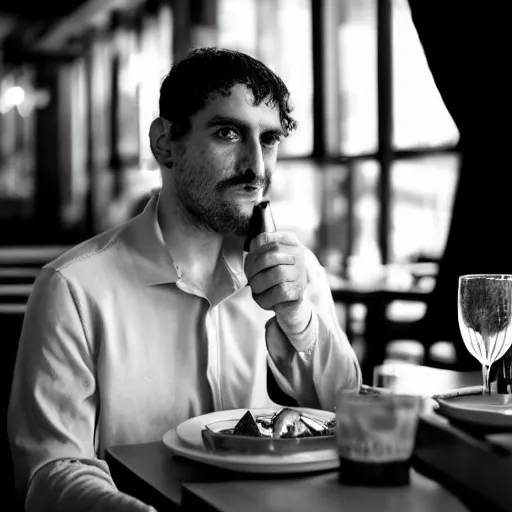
(325, 149)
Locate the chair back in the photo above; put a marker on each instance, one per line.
(11, 320)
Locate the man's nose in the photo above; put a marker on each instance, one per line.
(254, 158)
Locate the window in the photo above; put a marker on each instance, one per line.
(422, 188)
(419, 162)
(357, 75)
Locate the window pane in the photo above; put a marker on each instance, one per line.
(297, 199)
(420, 116)
(423, 190)
(313, 200)
(237, 25)
(278, 32)
(149, 68)
(74, 200)
(334, 230)
(365, 258)
(101, 55)
(347, 234)
(357, 75)
(127, 112)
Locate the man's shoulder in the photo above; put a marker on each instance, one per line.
(94, 251)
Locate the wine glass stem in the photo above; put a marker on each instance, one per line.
(486, 385)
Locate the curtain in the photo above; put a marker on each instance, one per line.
(469, 51)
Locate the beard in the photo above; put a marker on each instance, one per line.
(223, 217)
(205, 206)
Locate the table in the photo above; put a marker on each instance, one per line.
(150, 472)
(321, 493)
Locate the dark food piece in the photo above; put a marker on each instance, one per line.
(247, 426)
(261, 222)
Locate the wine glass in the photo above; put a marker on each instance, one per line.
(485, 314)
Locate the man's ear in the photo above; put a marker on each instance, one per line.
(159, 140)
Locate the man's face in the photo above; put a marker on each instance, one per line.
(224, 164)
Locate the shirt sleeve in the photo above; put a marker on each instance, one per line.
(314, 366)
(53, 408)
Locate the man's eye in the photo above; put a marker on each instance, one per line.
(228, 133)
(271, 139)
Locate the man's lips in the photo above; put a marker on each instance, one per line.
(249, 192)
(246, 187)
(241, 183)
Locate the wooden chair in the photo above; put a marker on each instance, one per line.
(18, 275)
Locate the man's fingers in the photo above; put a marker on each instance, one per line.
(281, 237)
(279, 295)
(273, 276)
(257, 262)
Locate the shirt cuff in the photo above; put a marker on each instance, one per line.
(303, 342)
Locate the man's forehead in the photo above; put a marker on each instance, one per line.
(238, 100)
(237, 91)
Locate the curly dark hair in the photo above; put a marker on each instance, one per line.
(191, 81)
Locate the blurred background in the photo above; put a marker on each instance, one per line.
(398, 177)
(79, 89)
(368, 182)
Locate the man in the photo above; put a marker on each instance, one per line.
(166, 317)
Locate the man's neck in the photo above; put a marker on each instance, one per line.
(194, 250)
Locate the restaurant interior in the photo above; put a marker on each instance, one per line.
(397, 178)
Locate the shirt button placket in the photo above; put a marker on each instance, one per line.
(213, 372)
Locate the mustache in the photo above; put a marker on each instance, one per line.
(248, 178)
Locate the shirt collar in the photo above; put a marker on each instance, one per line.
(153, 260)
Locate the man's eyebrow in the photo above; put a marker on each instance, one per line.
(219, 120)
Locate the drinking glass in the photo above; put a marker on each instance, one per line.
(485, 313)
(376, 436)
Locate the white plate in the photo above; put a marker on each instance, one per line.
(483, 410)
(186, 441)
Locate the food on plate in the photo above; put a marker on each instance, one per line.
(285, 423)
(247, 426)
(271, 432)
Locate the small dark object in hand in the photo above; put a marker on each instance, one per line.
(262, 221)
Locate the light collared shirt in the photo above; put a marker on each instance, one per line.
(117, 348)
